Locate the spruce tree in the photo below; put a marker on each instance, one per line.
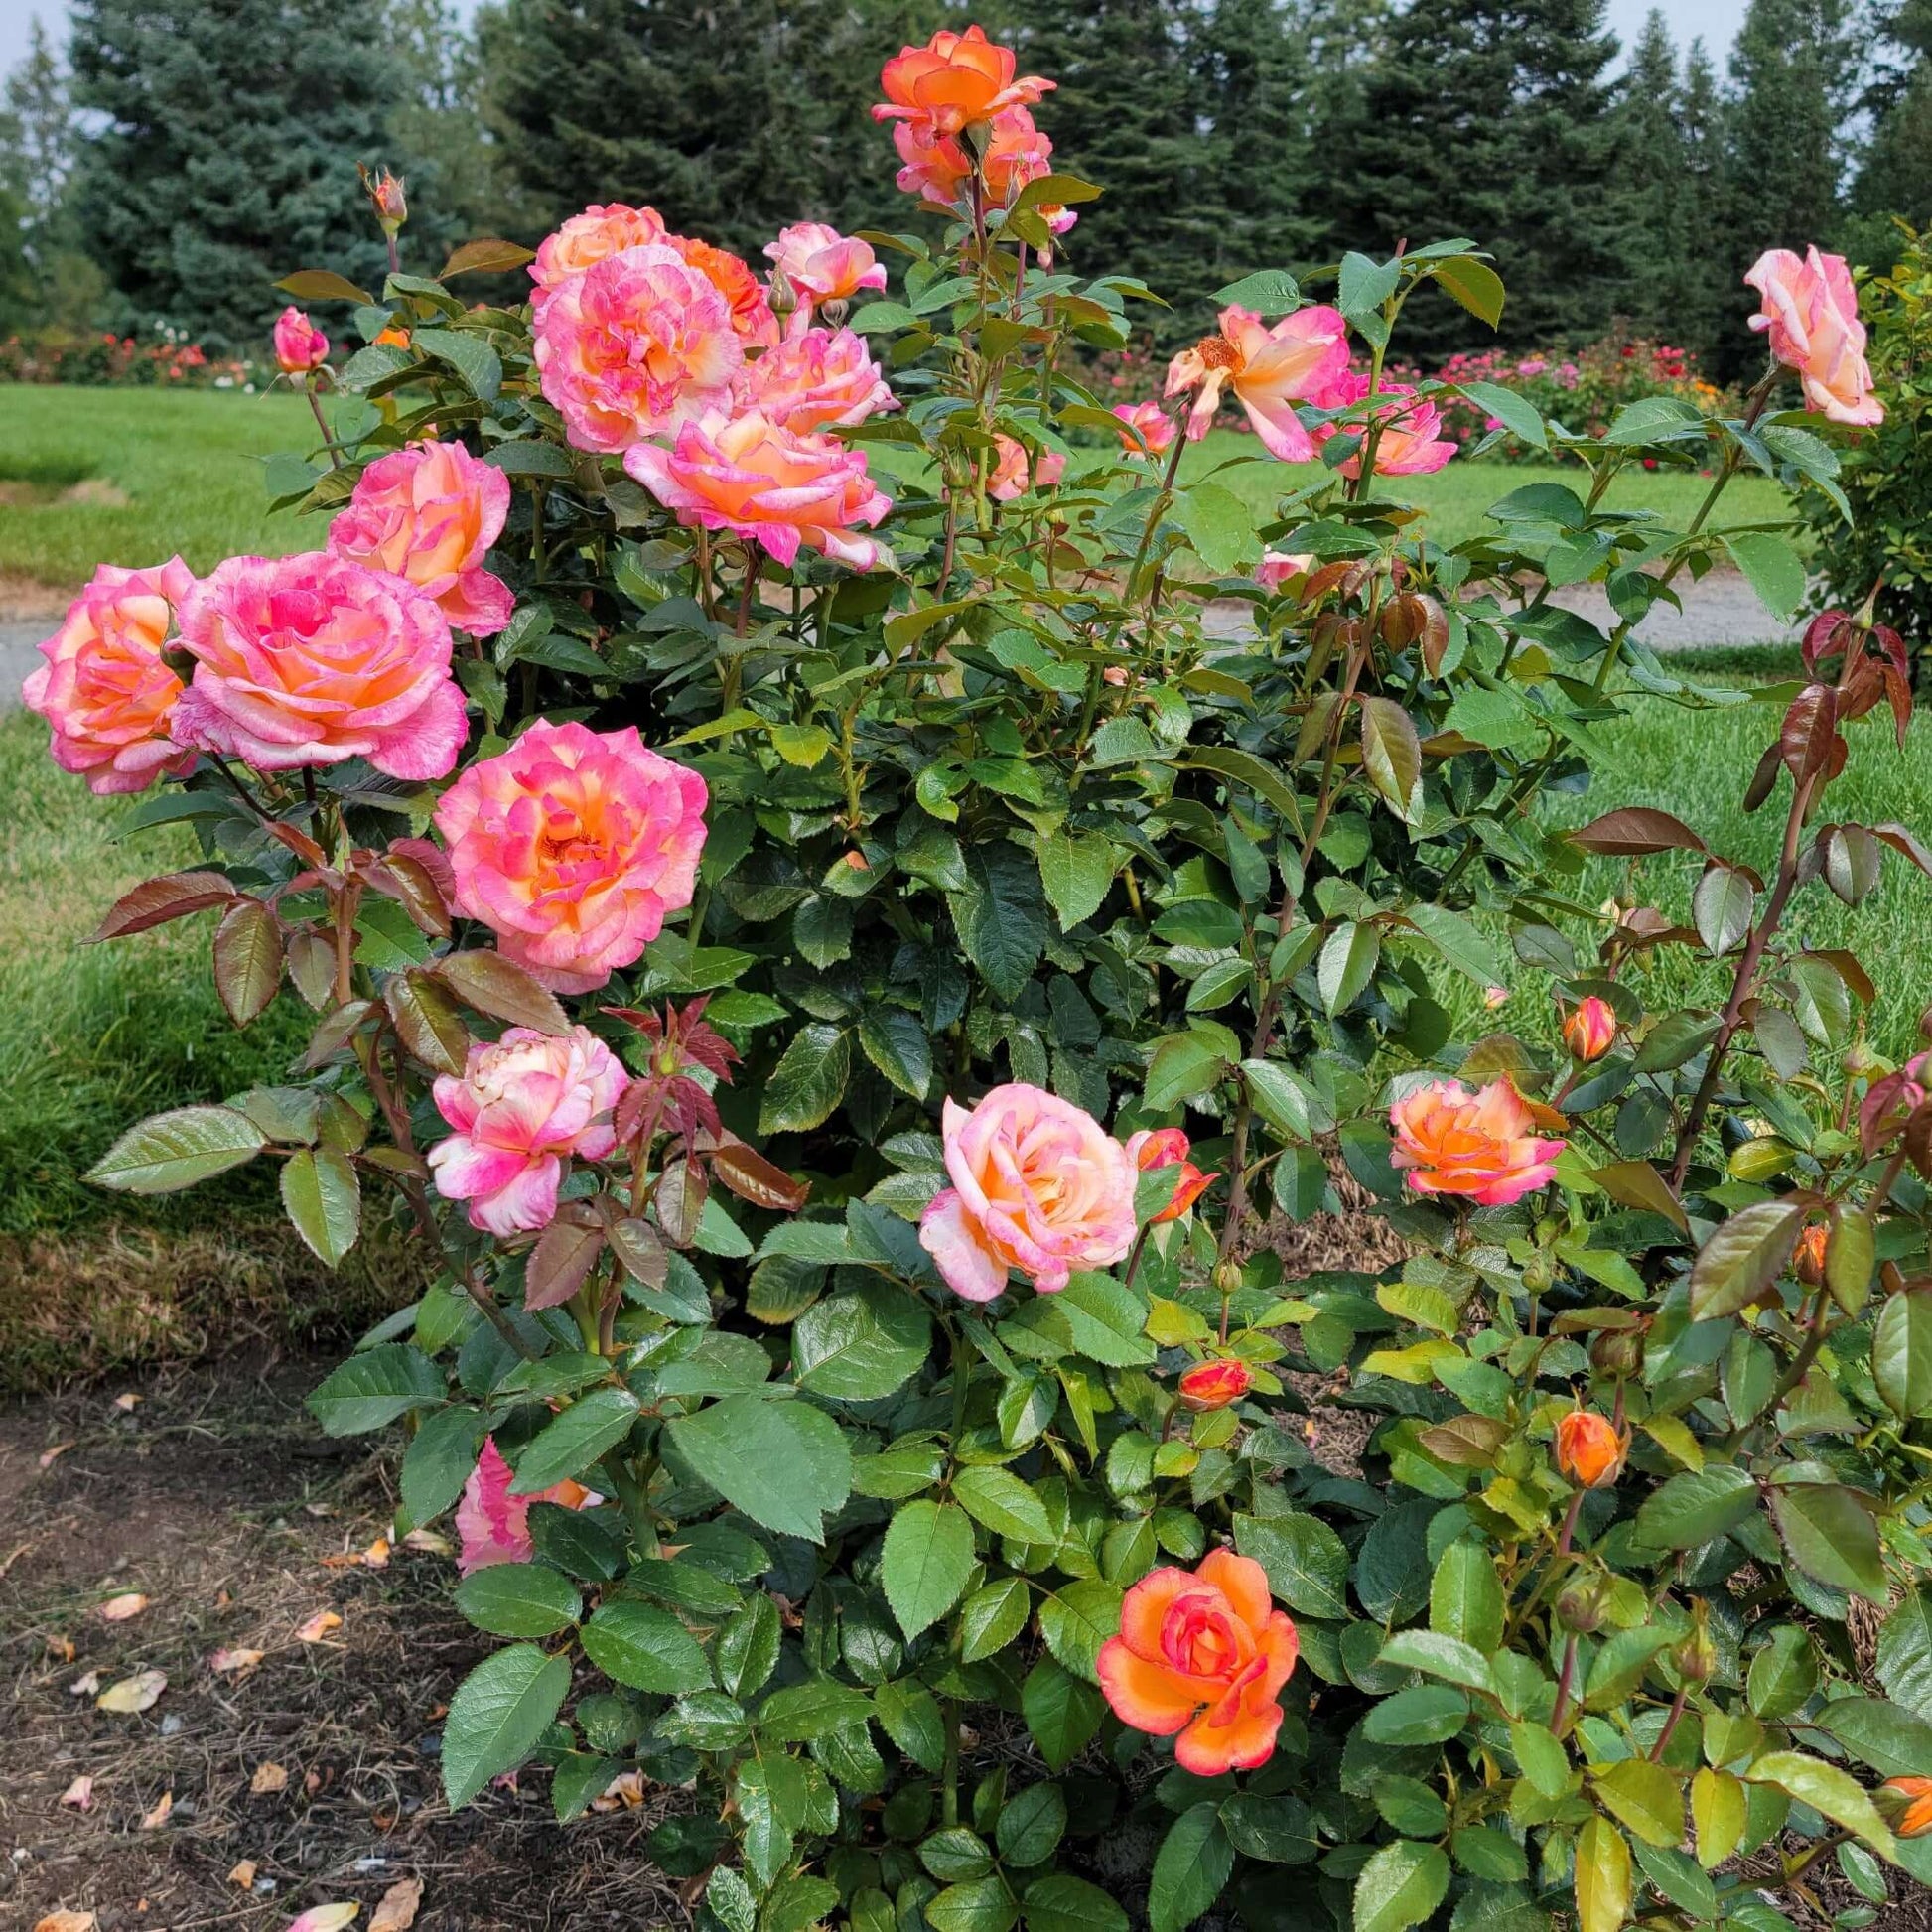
(1709, 249)
(1791, 73)
(1895, 173)
(1649, 183)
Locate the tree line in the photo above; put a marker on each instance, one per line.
(178, 154)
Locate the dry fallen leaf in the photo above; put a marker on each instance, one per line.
(131, 1693)
(325, 1918)
(243, 1875)
(626, 1791)
(223, 1661)
(68, 1922)
(377, 1556)
(269, 1776)
(79, 1794)
(46, 1457)
(397, 1911)
(117, 1609)
(125, 1403)
(318, 1627)
(437, 1545)
(153, 1819)
(62, 1648)
(84, 1686)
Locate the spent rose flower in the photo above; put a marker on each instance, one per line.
(603, 229)
(823, 265)
(1906, 1805)
(1408, 444)
(1202, 1653)
(523, 1105)
(1589, 1449)
(1012, 475)
(491, 1525)
(572, 847)
(1166, 1147)
(731, 275)
(815, 379)
(300, 346)
(1214, 1385)
(312, 660)
(1589, 1030)
(1038, 1187)
(1278, 566)
(1808, 1260)
(106, 689)
(784, 492)
(430, 513)
(634, 345)
(953, 83)
(1811, 311)
(1475, 1146)
(1145, 428)
(1301, 358)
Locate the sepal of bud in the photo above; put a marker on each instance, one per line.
(1618, 1351)
(1581, 1605)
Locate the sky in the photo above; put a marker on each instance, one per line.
(1715, 19)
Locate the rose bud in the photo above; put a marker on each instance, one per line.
(1808, 1264)
(300, 346)
(1166, 1147)
(1589, 1450)
(1696, 1657)
(1214, 1385)
(1589, 1030)
(1582, 1605)
(385, 193)
(1618, 1351)
(1905, 1804)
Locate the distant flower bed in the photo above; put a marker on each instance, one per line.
(105, 360)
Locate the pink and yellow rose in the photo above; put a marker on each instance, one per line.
(1811, 311)
(1407, 443)
(300, 347)
(491, 1525)
(1014, 473)
(1145, 428)
(731, 275)
(1474, 1147)
(1169, 1147)
(1279, 567)
(823, 265)
(937, 168)
(815, 379)
(603, 229)
(572, 847)
(1302, 358)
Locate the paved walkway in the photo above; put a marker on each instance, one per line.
(19, 653)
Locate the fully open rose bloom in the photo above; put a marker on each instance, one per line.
(1406, 444)
(523, 1105)
(491, 1525)
(953, 83)
(823, 265)
(1145, 428)
(314, 660)
(1038, 1185)
(1012, 475)
(1166, 1147)
(299, 345)
(746, 475)
(1278, 567)
(731, 275)
(603, 229)
(430, 513)
(937, 167)
(105, 688)
(572, 847)
(815, 379)
(1811, 309)
(1302, 358)
(634, 345)
(1205, 1654)
(1476, 1147)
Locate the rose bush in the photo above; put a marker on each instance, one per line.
(852, 1338)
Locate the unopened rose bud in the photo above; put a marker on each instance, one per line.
(833, 311)
(1858, 1060)
(1214, 1385)
(1618, 1351)
(1589, 1030)
(1905, 1804)
(1696, 1657)
(300, 347)
(781, 294)
(1588, 1449)
(385, 193)
(1808, 1264)
(1494, 997)
(1581, 1605)
(1227, 1276)
(1539, 1272)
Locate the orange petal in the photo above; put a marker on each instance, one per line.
(1149, 1697)
(1208, 1749)
(1281, 1646)
(1145, 1609)
(1243, 1581)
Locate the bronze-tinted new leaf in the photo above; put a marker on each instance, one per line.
(494, 985)
(157, 900)
(1632, 831)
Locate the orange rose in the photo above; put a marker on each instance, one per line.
(1906, 1804)
(1809, 1263)
(1214, 1385)
(953, 83)
(1589, 1030)
(1206, 1655)
(1166, 1147)
(1589, 1449)
(1474, 1146)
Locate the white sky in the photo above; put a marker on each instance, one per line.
(1715, 19)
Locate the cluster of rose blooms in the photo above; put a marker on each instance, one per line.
(108, 360)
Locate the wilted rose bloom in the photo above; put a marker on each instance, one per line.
(731, 275)
(1301, 358)
(1038, 1187)
(1475, 1146)
(1278, 566)
(523, 1105)
(312, 660)
(1589, 1450)
(104, 689)
(1209, 1386)
(603, 229)
(1145, 428)
(1589, 1030)
(937, 167)
(1811, 309)
(815, 379)
(824, 265)
(572, 847)
(1166, 1147)
(746, 475)
(1012, 476)
(299, 345)
(491, 1525)
(1203, 1654)
(1906, 1805)
(634, 345)
(1408, 444)
(953, 83)
(1808, 1263)
(430, 513)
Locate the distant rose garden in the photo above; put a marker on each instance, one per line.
(846, 973)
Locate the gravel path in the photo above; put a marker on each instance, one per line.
(19, 653)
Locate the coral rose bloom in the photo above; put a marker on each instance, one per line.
(603, 229)
(1214, 1385)
(1589, 1030)
(1145, 428)
(1907, 1803)
(1408, 444)
(1205, 1654)
(937, 167)
(314, 660)
(572, 847)
(815, 379)
(105, 688)
(1476, 1147)
(746, 475)
(1038, 1185)
(1166, 1147)
(430, 513)
(522, 1106)
(1811, 309)
(731, 275)
(299, 345)
(1301, 359)
(634, 345)
(824, 265)
(1013, 473)
(493, 1526)
(1589, 1450)
(953, 83)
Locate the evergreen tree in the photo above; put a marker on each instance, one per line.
(1895, 174)
(1791, 75)
(1649, 183)
(1709, 249)
(47, 278)
(225, 152)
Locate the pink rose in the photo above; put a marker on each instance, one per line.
(430, 513)
(1474, 1147)
(937, 168)
(824, 265)
(1812, 312)
(105, 688)
(1012, 476)
(731, 275)
(603, 229)
(1408, 445)
(815, 379)
(634, 345)
(572, 847)
(493, 1525)
(299, 345)
(1278, 566)
(314, 660)
(1301, 359)
(1038, 1185)
(1145, 428)
(745, 475)
(522, 1107)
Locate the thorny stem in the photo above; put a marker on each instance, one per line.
(321, 423)
(1670, 1723)
(1569, 1524)
(1561, 1708)
(344, 908)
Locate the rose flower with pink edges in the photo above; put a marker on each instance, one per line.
(106, 689)
(1811, 311)
(1014, 473)
(523, 1105)
(493, 1526)
(314, 660)
(430, 513)
(937, 168)
(1303, 357)
(1405, 445)
(784, 492)
(603, 229)
(1038, 1187)
(823, 265)
(731, 275)
(572, 847)
(634, 345)
(300, 347)
(815, 379)
(1278, 567)
(1474, 1147)
(1145, 428)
